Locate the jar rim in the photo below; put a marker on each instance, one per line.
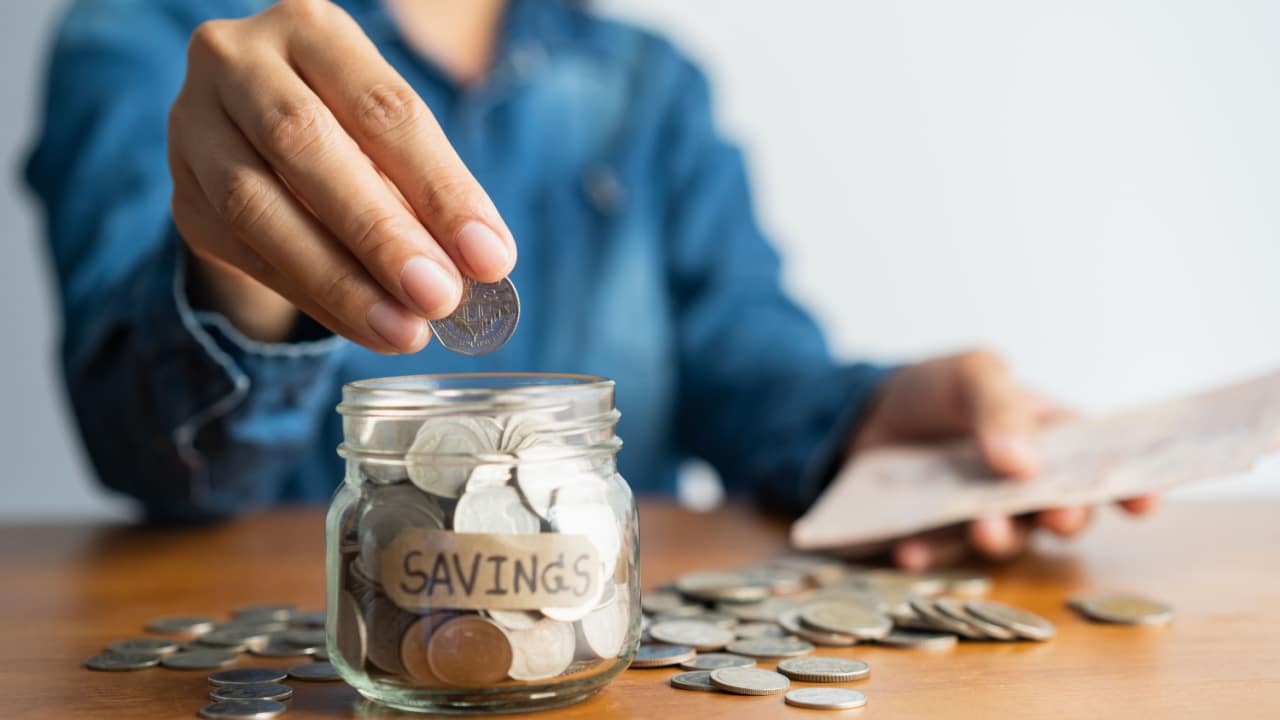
(402, 392)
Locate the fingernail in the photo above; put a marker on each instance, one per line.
(482, 249)
(396, 325)
(432, 288)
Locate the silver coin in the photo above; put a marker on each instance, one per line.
(666, 601)
(180, 625)
(443, 453)
(749, 681)
(246, 676)
(485, 319)
(766, 610)
(956, 610)
(260, 612)
(112, 661)
(515, 619)
(847, 618)
(825, 698)
(603, 632)
(698, 635)
(390, 509)
(710, 586)
(494, 510)
(1026, 624)
(259, 691)
(199, 660)
(242, 710)
(930, 617)
(823, 669)
(918, 640)
(305, 637)
(314, 672)
(769, 648)
(715, 661)
(790, 621)
(277, 648)
(231, 638)
(582, 508)
(488, 475)
(1124, 610)
(749, 630)
(964, 583)
(661, 655)
(699, 680)
(710, 617)
(542, 651)
(153, 646)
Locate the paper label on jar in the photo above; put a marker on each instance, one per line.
(425, 569)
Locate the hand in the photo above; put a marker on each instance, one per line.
(974, 394)
(307, 174)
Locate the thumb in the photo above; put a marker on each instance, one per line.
(1003, 417)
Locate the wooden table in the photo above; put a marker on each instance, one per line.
(70, 589)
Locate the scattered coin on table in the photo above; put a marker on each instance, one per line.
(660, 655)
(1123, 610)
(242, 710)
(259, 691)
(180, 625)
(699, 680)
(314, 672)
(246, 676)
(749, 681)
(714, 661)
(113, 661)
(824, 669)
(154, 646)
(825, 698)
(199, 660)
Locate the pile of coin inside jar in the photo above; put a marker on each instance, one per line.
(443, 557)
(717, 626)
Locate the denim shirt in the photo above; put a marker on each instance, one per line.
(640, 260)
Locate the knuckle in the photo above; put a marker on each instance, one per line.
(376, 229)
(388, 108)
(212, 40)
(244, 201)
(443, 191)
(306, 12)
(296, 127)
(340, 291)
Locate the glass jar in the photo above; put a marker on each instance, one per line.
(482, 554)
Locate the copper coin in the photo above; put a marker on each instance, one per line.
(470, 651)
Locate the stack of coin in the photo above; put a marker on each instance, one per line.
(494, 476)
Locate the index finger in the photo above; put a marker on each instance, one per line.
(394, 127)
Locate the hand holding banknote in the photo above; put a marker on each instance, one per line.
(975, 395)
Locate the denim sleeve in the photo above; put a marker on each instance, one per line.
(761, 397)
(175, 407)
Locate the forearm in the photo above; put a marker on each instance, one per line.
(178, 412)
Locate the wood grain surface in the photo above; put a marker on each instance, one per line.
(70, 589)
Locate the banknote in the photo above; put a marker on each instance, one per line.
(894, 491)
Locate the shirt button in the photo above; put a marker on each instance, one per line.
(604, 189)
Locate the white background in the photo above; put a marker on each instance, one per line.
(1092, 188)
